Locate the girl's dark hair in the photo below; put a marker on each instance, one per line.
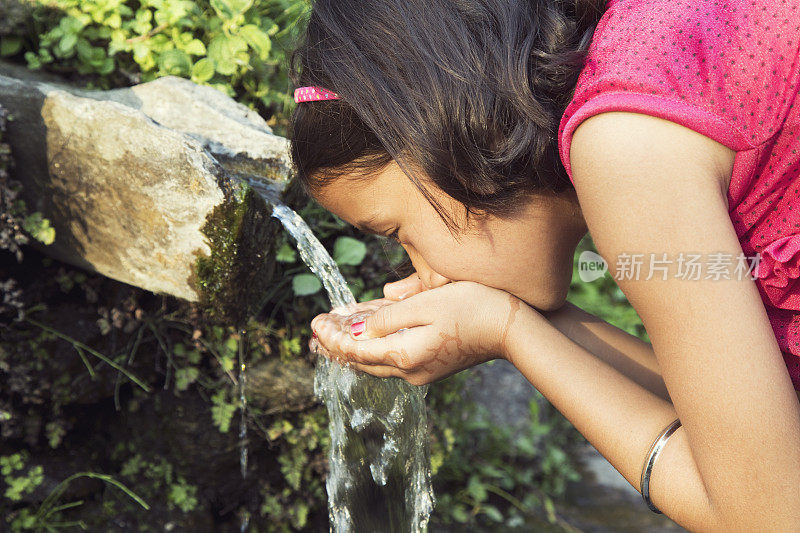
(468, 92)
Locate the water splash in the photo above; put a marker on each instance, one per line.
(242, 406)
(379, 459)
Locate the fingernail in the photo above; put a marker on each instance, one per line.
(358, 328)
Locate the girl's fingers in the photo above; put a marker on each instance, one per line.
(380, 371)
(389, 319)
(316, 347)
(392, 350)
(371, 305)
(400, 290)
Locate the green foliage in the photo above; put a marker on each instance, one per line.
(236, 46)
(286, 254)
(161, 475)
(19, 483)
(10, 45)
(300, 442)
(81, 348)
(39, 228)
(604, 298)
(183, 496)
(484, 475)
(222, 410)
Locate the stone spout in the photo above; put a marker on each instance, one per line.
(151, 185)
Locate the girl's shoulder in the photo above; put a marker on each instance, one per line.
(727, 69)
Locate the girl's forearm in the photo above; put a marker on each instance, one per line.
(628, 354)
(617, 415)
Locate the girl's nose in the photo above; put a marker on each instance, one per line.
(429, 277)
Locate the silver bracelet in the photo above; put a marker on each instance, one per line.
(655, 449)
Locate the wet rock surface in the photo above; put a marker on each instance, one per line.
(603, 501)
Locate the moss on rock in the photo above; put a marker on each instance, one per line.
(232, 280)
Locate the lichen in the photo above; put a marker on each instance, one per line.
(232, 279)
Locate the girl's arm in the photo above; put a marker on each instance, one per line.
(617, 416)
(650, 186)
(628, 354)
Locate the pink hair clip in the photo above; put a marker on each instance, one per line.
(312, 94)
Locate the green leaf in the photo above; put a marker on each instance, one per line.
(39, 228)
(175, 62)
(195, 47)
(84, 49)
(228, 9)
(203, 71)
(476, 488)
(550, 509)
(460, 514)
(10, 45)
(301, 515)
(223, 50)
(286, 254)
(33, 61)
(107, 66)
(305, 284)
(67, 43)
(185, 377)
(257, 39)
(114, 20)
(72, 24)
(349, 251)
(493, 513)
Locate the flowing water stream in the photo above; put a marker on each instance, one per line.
(379, 460)
(242, 379)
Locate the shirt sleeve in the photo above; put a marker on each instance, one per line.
(726, 69)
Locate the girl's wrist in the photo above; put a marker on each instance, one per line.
(520, 332)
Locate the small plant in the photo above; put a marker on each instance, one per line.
(19, 480)
(299, 443)
(223, 409)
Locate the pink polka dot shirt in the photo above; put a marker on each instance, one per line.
(730, 70)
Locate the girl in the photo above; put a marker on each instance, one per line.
(488, 136)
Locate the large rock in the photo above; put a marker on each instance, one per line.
(146, 184)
